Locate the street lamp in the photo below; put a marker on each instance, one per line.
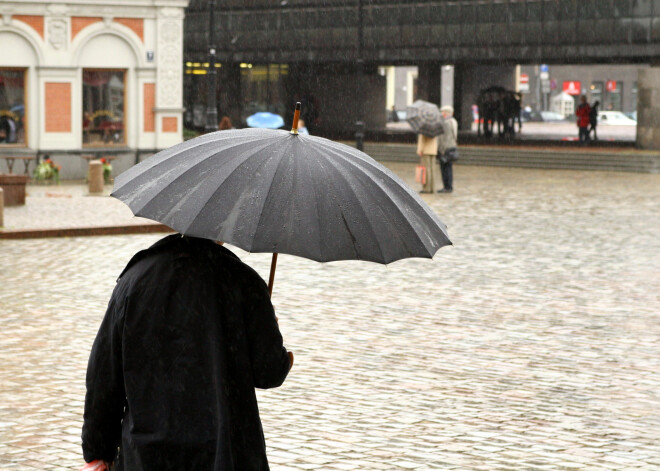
(211, 99)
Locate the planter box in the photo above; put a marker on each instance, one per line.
(13, 187)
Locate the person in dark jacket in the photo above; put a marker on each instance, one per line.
(593, 118)
(188, 334)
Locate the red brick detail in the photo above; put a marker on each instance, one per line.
(170, 124)
(58, 107)
(34, 22)
(78, 23)
(149, 103)
(136, 24)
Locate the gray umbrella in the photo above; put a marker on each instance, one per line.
(276, 191)
(425, 118)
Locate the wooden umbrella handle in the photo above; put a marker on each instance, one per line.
(296, 117)
(271, 279)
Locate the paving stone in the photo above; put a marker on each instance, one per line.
(531, 344)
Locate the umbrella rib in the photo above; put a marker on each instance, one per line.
(388, 198)
(384, 172)
(174, 180)
(270, 188)
(366, 217)
(206, 203)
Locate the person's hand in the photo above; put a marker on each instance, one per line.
(290, 360)
(96, 465)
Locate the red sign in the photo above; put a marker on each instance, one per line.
(524, 83)
(610, 86)
(572, 88)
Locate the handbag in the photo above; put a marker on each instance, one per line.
(420, 174)
(452, 154)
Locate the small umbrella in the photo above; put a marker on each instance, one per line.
(265, 120)
(425, 118)
(282, 192)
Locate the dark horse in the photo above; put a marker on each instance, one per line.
(501, 106)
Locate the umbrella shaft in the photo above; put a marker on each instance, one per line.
(271, 279)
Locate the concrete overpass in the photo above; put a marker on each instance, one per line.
(335, 46)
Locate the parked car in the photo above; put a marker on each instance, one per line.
(552, 116)
(542, 116)
(632, 115)
(615, 117)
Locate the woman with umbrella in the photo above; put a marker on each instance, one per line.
(425, 119)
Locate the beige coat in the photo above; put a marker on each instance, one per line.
(427, 145)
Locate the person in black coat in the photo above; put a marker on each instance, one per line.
(188, 334)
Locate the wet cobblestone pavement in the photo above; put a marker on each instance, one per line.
(532, 344)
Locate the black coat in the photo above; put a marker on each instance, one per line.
(189, 333)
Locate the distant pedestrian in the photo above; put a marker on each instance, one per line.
(394, 115)
(448, 149)
(427, 148)
(582, 114)
(593, 118)
(302, 129)
(225, 123)
(188, 334)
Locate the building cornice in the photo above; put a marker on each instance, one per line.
(116, 8)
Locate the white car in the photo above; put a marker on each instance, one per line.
(615, 117)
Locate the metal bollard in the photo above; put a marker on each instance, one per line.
(2, 207)
(95, 183)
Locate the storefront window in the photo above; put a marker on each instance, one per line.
(103, 107)
(613, 97)
(597, 92)
(12, 106)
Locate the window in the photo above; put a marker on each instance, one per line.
(263, 87)
(613, 98)
(12, 106)
(597, 92)
(103, 107)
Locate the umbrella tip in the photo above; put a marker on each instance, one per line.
(296, 117)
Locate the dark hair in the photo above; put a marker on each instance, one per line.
(225, 123)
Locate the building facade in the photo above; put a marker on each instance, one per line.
(99, 75)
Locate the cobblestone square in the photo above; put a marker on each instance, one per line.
(531, 344)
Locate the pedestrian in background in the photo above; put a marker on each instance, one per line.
(582, 114)
(448, 149)
(593, 118)
(188, 334)
(302, 129)
(225, 123)
(427, 148)
(394, 117)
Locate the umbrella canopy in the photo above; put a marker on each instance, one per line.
(266, 120)
(275, 191)
(425, 118)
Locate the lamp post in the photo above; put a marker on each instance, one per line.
(211, 99)
(359, 124)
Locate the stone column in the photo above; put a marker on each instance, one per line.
(428, 82)
(169, 85)
(95, 183)
(648, 108)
